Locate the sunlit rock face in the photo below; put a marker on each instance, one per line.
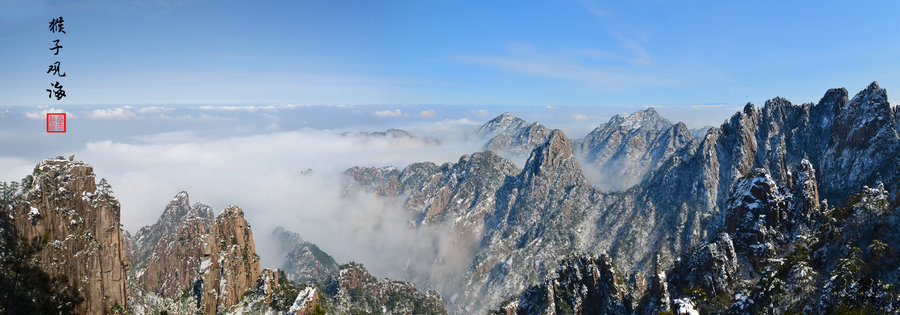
(62, 204)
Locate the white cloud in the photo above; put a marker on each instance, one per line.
(212, 117)
(203, 117)
(428, 114)
(548, 107)
(273, 126)
(254, 108)
(228, 108)
(640, 55)
(461, 121)
(14, 169)
(389, 113)
(42, 113)
(579, 117)
(264, 176)
(112, 113)
(154, 109)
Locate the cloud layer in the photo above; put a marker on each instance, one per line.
(265, 175)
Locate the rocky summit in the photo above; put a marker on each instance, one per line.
(74, 223)
(511, 136)
(303, 260)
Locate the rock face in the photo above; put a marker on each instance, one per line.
(625, 149)
(436, 193)
(230, 264)
(79, 219)
(782, 259)
(863, 143)
(756, 209)
(165, 255)
(275, 294)
(582, 284)
(303, 261)
(535, 221)
(354, 291)
(191, 260)
(687, 196)
(712, 268)
(511, 136)
(763, 217)
(658, 299)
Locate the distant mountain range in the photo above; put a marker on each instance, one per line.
(782, 209)
(526, 220)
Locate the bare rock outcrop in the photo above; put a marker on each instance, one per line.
(166, 254)
(79, 219)
(354, 290)
(230, 264)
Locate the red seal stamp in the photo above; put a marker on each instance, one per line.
(56, 122)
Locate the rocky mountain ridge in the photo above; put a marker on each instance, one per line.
(546, 211)
(781, 252)
(224, 274)
(188, 262)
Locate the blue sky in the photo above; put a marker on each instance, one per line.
(234, 101)
(511, 53)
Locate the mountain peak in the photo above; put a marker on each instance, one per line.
(505, 117)
(231, 211)
(558, 143)
(749, 109)
(179, 209)
(647, 118)
(872, 94)
(503, 123)
(511, 136)
(181, 195)
(555, 153)
(873, 86)
(836, 98)
(777, 101)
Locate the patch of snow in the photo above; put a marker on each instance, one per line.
(35, 212)
(685, 306)
(205, 265)
(303, 299)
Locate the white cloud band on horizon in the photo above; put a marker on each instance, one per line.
(388, 113)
